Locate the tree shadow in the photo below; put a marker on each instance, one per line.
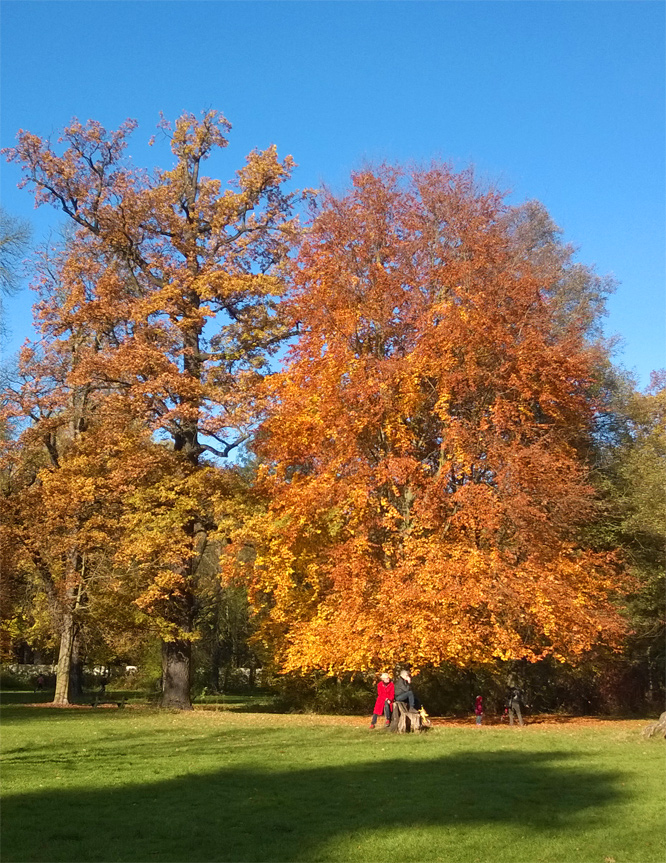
(283, 814)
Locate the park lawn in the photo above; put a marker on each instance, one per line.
(143, 785)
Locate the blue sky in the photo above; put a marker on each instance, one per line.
(560, 101)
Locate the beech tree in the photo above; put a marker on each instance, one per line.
(424, 453)
(175, 281)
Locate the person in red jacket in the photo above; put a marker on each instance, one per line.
(385, 696)
(478, 709)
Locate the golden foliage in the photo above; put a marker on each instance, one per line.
(422, 452)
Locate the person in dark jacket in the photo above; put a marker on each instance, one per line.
(383, 704)
(513, 701)
(403, 690)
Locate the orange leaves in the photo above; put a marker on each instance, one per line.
(159, 260)
(159, 314)
(422, 484)
(422, 442)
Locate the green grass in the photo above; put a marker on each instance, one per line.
(142, 785)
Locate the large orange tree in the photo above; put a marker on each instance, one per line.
(173, 279)
(424, 460)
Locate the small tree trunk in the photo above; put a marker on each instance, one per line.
(216, 650)
(76, 667)
(64, 659)
(227, 677)
(176, 662)
(404, 720)
(650, 676)
(215, 662)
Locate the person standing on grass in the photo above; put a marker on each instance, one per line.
(385, 696)
(478, 709)
(513, 702)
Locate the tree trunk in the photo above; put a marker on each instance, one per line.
(215, 663)
(76, 667)
(176, 662)
(70, 632)
(65, 659)
(650, 677)
(404, 720)
(657, 728)
(227, 677)
(216, 649)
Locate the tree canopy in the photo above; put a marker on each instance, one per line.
(426, 485)
(424, 451)
(163, 304)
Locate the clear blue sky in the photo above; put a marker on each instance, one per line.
(560, 101)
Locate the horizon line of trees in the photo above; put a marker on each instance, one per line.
(391, 434)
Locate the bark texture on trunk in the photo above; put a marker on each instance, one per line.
(657, 728)
(76, 667)
(67, 636)
(405, 720)
(215, 665)
(176, 663)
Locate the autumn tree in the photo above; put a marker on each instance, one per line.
(175, 281)
(63, 476)
(225, 626)
(44, 417)
(424, 454)
(14, 240)
(631, 476)
(574, 290)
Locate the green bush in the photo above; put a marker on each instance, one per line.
(9, 681)
(24, 680)
(320, 693)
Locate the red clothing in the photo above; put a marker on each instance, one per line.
(478, 707)
(384, 691)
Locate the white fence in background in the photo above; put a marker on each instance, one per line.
(24, 670)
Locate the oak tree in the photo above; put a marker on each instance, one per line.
(175, 281)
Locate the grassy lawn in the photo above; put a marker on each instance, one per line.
(141, 785)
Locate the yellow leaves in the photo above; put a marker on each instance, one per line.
(194, 138)
(263, 169)
(158, 317)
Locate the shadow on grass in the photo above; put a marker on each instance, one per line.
(292, 814)
(25, 697)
